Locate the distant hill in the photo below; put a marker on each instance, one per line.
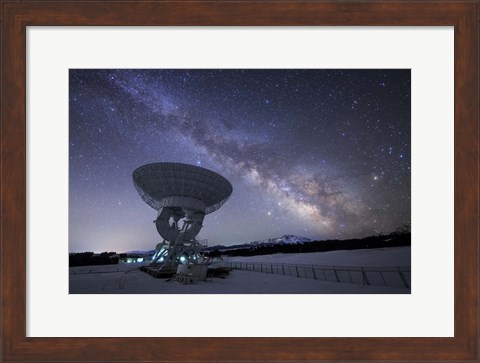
(286, 239)
(296, 244)
(293, 244)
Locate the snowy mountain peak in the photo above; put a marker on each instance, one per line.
(286, 239)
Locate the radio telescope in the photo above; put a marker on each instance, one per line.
(182, 195)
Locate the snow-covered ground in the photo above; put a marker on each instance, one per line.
(377, 257)
(128, 279)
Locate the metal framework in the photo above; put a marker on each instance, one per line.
(182, 194)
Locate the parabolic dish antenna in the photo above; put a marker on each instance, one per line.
(182, 194)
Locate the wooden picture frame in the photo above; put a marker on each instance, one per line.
(18, 15)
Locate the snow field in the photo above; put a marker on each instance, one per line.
(128, 279)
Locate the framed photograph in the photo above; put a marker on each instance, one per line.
(316, 165)
(311, 171)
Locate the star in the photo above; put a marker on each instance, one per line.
(321, 151)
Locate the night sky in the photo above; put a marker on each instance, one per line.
(316, 153)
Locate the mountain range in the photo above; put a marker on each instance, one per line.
(286, 239)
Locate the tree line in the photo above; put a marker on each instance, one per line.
(89, 258)
(381, 241)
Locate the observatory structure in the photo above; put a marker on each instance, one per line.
(182, 195)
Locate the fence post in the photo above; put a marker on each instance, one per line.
(404, 280)
(365, 279)
(296, 268)
(350, 276)
(314, 275)
(283, 269)
(324, 274)
(385, 282)
(336, 274)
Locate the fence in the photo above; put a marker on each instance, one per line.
(376, 276)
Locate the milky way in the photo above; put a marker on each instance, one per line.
(316, 153)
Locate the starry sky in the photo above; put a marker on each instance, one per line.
(319, 153)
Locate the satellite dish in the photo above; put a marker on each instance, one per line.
(182, 195)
